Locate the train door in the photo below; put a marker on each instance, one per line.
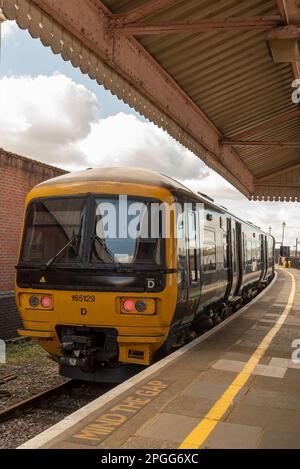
(227, 263)
(266, 256)
(273, 257)
(240, 255)
(263, 258)
(193, 257)
(269, 256)
(236, 256)
(182, 276)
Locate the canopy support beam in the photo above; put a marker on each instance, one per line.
(262, 143)
(200, 25)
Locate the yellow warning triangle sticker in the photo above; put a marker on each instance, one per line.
(43, 280)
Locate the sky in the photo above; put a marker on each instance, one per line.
(51, 112)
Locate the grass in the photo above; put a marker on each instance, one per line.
(23, 352)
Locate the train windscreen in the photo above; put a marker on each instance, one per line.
(92, 231)
(126, 231)
(54, 231)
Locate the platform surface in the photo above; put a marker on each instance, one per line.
(238, 388)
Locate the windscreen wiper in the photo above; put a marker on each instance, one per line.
(115, 261)
(75, 237)
(72, 240)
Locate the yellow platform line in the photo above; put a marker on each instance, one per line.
(200, 433)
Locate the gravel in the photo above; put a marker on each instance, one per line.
(36, 373)
(48, 412)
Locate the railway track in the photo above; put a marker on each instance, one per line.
(26, 419)
(7, 378)
(19, 407)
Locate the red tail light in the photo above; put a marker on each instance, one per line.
(46, 302)
(129, 305)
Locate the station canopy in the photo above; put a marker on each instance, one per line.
(220, 77)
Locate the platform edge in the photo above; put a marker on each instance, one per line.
(53, 432)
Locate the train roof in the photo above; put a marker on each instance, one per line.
(131, 175)
(135, 175)
(122, 174)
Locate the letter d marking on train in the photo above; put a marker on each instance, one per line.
(150, 284)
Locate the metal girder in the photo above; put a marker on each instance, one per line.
(261, 143)
(287, 9)
(150, 8)
(201, 25)
(285, 32)
(87, 20)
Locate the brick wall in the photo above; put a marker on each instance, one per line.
(18, 175)
(9, 316)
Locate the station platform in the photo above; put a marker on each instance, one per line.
(236, 386)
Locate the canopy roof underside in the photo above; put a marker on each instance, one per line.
(209, 73)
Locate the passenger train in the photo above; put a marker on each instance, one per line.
(103, 302)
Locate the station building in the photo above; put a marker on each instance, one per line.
(18, 175)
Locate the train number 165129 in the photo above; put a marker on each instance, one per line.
(84, 298)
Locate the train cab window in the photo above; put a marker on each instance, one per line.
(209, 253)
(54, 231)
(193, 237)
(127, 237)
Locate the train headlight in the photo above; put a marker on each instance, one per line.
(34, 301)
(141, 306)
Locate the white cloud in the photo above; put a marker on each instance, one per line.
(8, 28)
(124, 140)
(263, 214)
(46, 117)
(55, 120)
(216, 187)
(272, 214)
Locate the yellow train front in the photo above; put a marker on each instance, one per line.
(118, 266)
(95, 300)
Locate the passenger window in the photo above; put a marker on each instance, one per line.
(258, 251)
(180, 226)
(193, 246)
(225, 250)
(209, 250)
(181, 241)
(234, 250)
(249, 251)
(181, 249)
(245, 250)
(270, 251)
